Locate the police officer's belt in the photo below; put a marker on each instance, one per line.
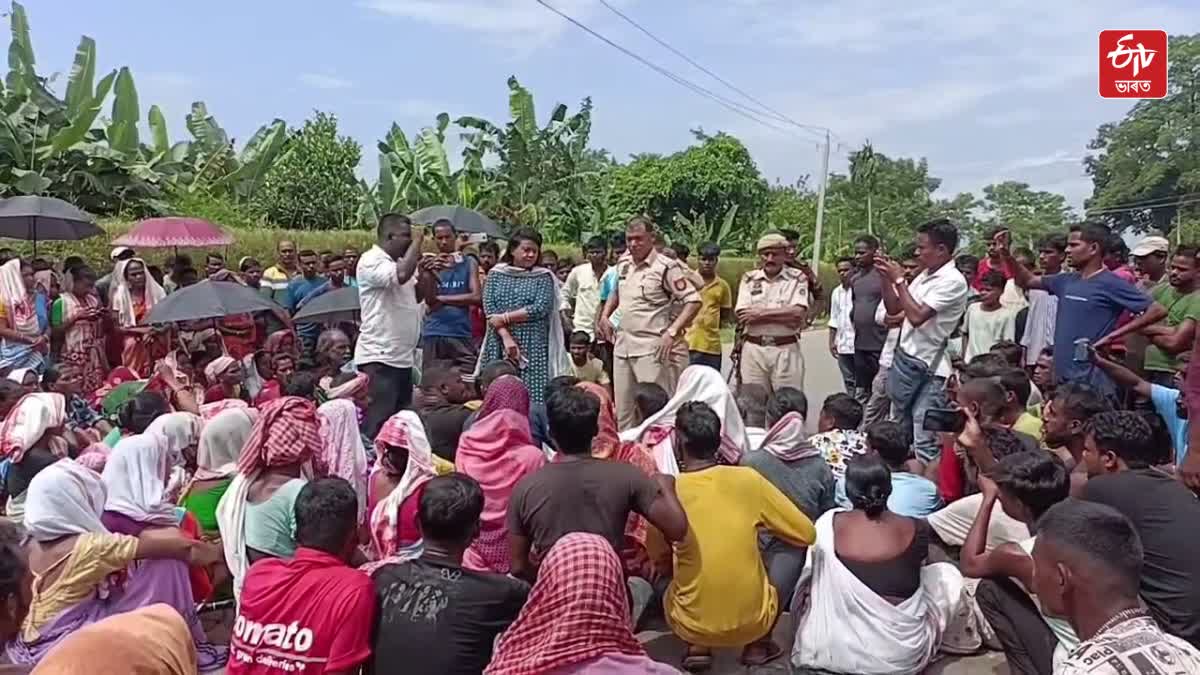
(772, 340)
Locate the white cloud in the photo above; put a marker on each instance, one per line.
(324, 81)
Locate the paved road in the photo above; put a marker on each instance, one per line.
(821, 375)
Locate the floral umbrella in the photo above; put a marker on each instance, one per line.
(174, 232)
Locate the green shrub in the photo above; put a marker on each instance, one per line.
(312, 185)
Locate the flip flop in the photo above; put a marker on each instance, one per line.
(773, 652)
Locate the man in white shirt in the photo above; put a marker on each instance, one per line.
(841, 326)
(391, 285)
(581, 291)
(932, 307)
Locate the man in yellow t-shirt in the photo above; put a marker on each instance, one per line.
(729, 600)
(716, 307)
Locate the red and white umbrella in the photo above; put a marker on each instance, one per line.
(174, 232)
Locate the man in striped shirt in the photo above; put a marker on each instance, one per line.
(276, 277)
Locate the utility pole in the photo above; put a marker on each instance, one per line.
(816, 255)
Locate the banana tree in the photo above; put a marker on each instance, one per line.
(542, 169)
(697, 230)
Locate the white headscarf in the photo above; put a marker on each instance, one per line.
(703, 384)
(20, 311)
(122, 297)
(18, 375)
(64, 499)
(221, 441)
(136, 479)
(28, 422)
(178, 431)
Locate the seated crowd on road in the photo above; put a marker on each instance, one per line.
(507, 463)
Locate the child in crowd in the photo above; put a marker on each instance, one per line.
(583, 365)
(987, 321)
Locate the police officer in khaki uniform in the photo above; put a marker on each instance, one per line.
(772, 305)
(649, 347)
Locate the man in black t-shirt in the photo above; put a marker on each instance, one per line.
(866, 292)
(434, 617)
(443, 394)
(1120, 453)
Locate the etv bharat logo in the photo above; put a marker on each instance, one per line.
(1133, 64)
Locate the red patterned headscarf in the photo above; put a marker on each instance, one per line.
(507, 392)
(287, 432)
(576, 611)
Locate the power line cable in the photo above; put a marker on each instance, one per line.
(1148, 202)
(765, 108)
(734, 106)
(1151, 207)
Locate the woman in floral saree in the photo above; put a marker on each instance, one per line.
(134, 294)
(78, 317)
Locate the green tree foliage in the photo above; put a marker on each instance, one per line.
(312, 185)
(1028, 214)
(1152, 156)
(705, 180)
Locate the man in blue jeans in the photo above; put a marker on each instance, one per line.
(932, 306)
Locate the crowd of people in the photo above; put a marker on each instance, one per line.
(510, 462)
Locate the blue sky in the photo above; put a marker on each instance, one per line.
(987, 91)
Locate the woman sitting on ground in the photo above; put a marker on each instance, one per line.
(342, 452)
(868, 603)
(697, 383)
(221, 441)
(178, 432)
(31, 439)
(497, 452)
(135, 479)
(576, 619)
(80, 568)
(405, 463)
(256, 515)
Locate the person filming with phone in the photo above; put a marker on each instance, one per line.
(932, 305)
(1090, 300)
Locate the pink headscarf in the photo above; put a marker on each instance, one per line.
(507, 392)
(497, 451)
(788, 441)
(402, 430)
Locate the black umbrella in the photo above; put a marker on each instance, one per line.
(36, 219)
(209, 300)
(464, 219)
(340, 304)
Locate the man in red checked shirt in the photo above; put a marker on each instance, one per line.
(312, 614)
